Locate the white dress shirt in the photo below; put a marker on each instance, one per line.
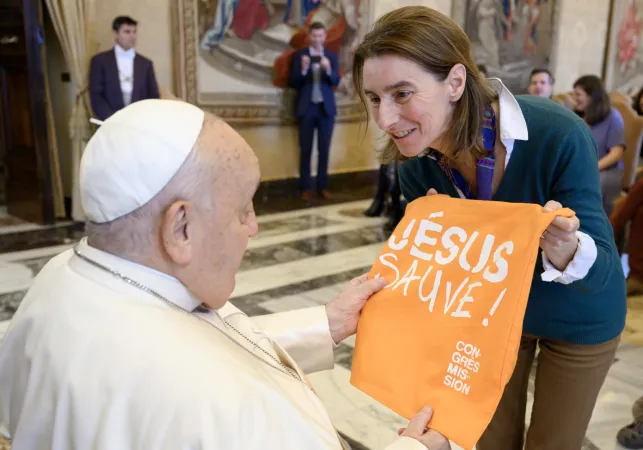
(125, 63)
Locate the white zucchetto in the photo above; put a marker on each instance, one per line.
(134, 154)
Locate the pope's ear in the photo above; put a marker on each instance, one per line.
(176, 232)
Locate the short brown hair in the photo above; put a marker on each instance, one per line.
(538, 70)
(436, 43)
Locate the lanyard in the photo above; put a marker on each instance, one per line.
(484, 165)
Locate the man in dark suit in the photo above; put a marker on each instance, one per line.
(120, 76)
(314, 73)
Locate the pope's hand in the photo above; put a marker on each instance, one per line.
(418, 430)
(343, 312)
(559, 241)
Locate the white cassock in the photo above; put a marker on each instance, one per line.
(92, 362)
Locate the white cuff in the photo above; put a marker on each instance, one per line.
(578, 267)
(304, 334)
(406, 443)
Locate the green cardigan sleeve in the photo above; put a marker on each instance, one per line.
(576, 185)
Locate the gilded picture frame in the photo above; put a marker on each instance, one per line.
(236, 67)
(509, 37)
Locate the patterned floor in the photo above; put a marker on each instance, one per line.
(303, 258)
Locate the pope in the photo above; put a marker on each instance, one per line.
(128, 341)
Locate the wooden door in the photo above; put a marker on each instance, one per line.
(23, 118)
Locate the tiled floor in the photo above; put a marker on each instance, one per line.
(303, 258)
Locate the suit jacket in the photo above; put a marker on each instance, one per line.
(93, 362)
(105, 86)
(304, 83)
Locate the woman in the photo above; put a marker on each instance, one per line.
(593, 105)
(416, 72)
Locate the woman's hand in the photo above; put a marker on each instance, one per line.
(559, 241)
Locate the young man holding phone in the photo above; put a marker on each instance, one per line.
(315, 74)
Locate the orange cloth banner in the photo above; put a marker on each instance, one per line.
(446, 329)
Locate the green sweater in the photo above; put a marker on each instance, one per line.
(558, 162)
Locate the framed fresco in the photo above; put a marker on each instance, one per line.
(510, 37)
(232, 57)
(624, 55)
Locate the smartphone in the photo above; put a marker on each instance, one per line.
(315, 59)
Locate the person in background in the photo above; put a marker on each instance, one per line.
(606, 124)
(541, 83)
(448, 125)
(120, 76)
(631, 436)
(637, 104)
(314, 73)
(483, 70)
(387, 196)
(631, 211)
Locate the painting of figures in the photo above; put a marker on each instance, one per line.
(233, 56)
(511, 37)
(624, 65)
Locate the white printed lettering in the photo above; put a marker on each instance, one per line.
(500, 262)
(422, 238)
(448, 244)
(466, 299)
(408, 277)
(434, 292)
(390, 265)
(451, 299)
(405, 238)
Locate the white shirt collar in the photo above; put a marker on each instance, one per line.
(165, 285)
(512, 123)
(312, 51)
(121, 53)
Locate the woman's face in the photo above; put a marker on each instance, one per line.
(408, 103)
(582, 99)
